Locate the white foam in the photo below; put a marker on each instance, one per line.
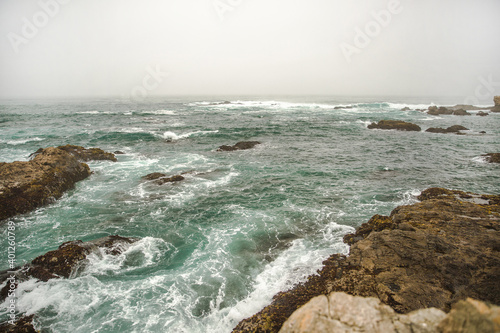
(171, 136)
(400, 106)
(480, 159)
(160, 112)
(22, 141)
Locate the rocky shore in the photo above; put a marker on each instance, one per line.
(25, 186)
(431, 254)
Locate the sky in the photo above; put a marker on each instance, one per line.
(73, 48)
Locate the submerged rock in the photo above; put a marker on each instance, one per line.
(492, 157)
(154, 175)
(172, 179)
(451, 129)
(434, 253)
(394, 125)
(242, 145)
(343, 313)
(25, 186)
(90, 154)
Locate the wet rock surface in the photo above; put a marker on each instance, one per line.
(434, 253)
(242, 145)
(492, 157)
(23, 325)
(395, 125)
(442, 110)
(451, 129)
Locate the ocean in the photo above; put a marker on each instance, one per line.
(243, 225)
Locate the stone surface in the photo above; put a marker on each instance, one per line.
(471, 316)
(242, 145)
(451, 129)
(482, 114)
(496, 108)
(394, 125)
(430, 254)
(492, 157)
(23, 325)
(442, 110)
(25, 186)
(340, 312)
(172, 179)
(154, 175)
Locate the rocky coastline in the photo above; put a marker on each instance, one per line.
(432, 254)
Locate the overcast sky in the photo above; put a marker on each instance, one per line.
(325, 47)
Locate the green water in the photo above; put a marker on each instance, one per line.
(243, 225)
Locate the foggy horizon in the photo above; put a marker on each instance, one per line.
(56, 48)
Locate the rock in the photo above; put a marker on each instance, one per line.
(172, 179)
(23, 325)
(25, 186)
(433, 253)
(405, 109)
(343, 313)
(496, 108)
(67, 260)
(154, 175)
(461, 112)
(442, 110)
(482, 114)
(471, 316)
(482, 132)
(242, 145)
(492, 157)
(90, 154)
(118, 152)
(451, 129)
(394, 125)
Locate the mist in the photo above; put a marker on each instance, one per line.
(56, 48)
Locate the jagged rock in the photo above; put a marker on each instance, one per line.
(90, 154)
(492, 157)
(67, 260)
(451, 129)
(429, 254)
(405, 109)
(172, 179)
(471, 316)
(118, 152)
(154, 175)
(25, 186)
(482, 114)
(23, 325)
(442, 110)
(343, 313)
(394, 125)
(242, 145)
(496, 108)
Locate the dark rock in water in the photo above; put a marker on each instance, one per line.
(118, 152)
(482, 114)
(405, 109)
(482, 132)
(430, 254)
(342, 107)
(154, 175)
(394, 125)
(68, 259)
(451, 129)
(90, 154)
(461, 112)
(492, 157)
(25, 186)
(442, 110)
(172, 179)
(496, 108)
(23, 325)
(242, 145)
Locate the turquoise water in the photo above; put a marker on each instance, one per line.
(244, 225)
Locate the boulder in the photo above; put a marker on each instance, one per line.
(496, 108)
(442, 110)
(460, 112)
(471, 316)
(451, 129)
(242, 145)
(394, 125)
(405, 109)
(434, 253)
(90, 154)
(154, 175)
(343, 313)
(482, 114)
(492, 157)
(25, 186)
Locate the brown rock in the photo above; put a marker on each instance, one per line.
(430, 254)
(492, 157)
(451, 129)
(394, 125)
(460, 112)
(90, 154)
(442, 110)
(25, 186)
(471, 316)
(23, 325)
(154, 175)
(172, 179)
(242, 145)
(482, 114)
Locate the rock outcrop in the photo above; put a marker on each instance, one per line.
(83, 154)
(25, 186)
(395, 125)
(242, 145)
(482, 114)
(492, 157)
(451, 129)
(496, 108)
(23, 325)
(66, 261)
(442, 110)
(434, 253)
(161, 178)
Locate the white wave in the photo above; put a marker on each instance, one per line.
(88, 112)
(400, 106)
(409, 197)
(171, 136)
(480, 159)
(160, 112)
(21, 141)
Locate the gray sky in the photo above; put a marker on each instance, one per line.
(328, 47)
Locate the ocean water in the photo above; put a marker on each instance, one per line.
(243, 225)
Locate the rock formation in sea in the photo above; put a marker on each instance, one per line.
(442, 110)
(482, 114)
(242, 145)
(496, 108)
(492, 157)
(22, 325)
(434, 253)
(395, 125)
(25, 186)
(161, 178)
(451, 129)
